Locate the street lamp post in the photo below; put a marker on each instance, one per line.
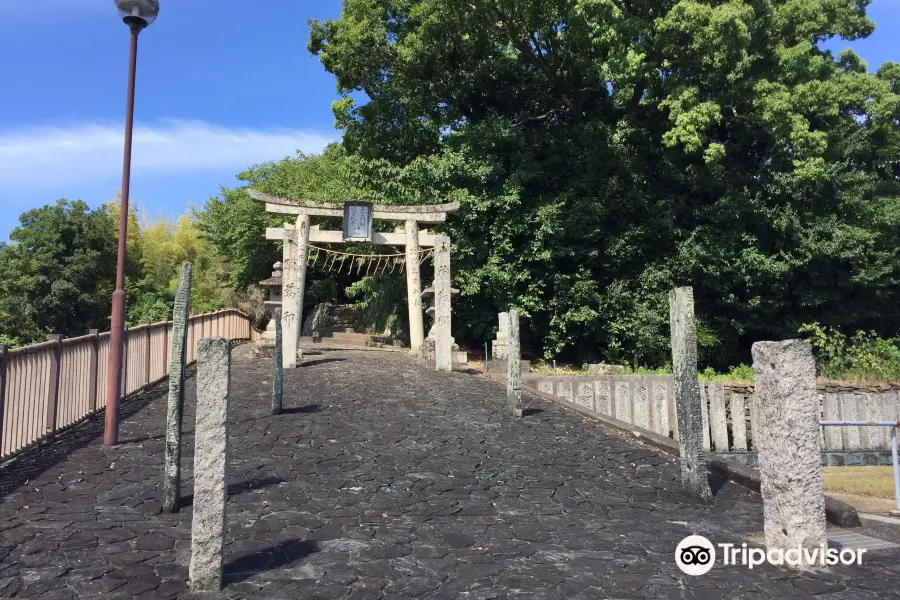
(137, 14)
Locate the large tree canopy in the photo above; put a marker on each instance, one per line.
(58, 272)
(607, 150)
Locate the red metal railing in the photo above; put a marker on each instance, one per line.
(51, 386)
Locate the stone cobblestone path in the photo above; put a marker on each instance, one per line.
(384, 479)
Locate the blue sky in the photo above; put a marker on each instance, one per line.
(222, 85)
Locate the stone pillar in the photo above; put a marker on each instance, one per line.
(210, 460)
(175, 412)
(302, 259)
(514, 367)
(694, 472)
(291, 307)
(414, 286)
(790, 451)
(278, 378)
(443, 350)
(499, 348)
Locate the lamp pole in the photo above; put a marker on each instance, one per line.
(137, 14)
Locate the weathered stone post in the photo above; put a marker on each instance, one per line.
(175, 412)
(302, 258)
(210, 460)
(514, 367)
(278, 380)
(790, 451)
(694, 472)
(443, 348)
(499, 346)
(291, 306)
(414, 286)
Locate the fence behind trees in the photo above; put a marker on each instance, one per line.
(51, 386)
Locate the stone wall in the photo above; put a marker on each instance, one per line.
(648, 401)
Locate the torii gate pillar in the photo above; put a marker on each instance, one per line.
(295, 257)
(443, 348)
(414, 286)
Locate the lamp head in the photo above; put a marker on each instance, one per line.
(140, 13)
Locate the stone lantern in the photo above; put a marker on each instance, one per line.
(459, 357)
(273, 285)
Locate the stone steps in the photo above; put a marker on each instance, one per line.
(351, 338)
(344, 317)
(311, 342)
(343, 330)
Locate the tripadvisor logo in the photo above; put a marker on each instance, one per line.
(696, 555)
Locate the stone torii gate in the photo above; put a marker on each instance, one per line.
(297, 239)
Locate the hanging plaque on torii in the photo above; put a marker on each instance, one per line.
(358, 217)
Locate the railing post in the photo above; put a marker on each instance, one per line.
(165, 346)
(94, 368)
(124, 391)
(147, 356)
(4, 366)
(53, 395)
(896, 462)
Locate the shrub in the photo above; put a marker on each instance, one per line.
(864, 355)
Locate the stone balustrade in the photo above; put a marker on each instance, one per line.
(648, 401)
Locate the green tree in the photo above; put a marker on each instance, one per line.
(209, 287)
(165, 246)
(134, 239)
(57, 273)
(605, 151)
(236, 226)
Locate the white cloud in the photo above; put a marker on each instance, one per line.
(47, 156)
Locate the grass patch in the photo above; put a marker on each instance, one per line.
(877, 482)
(545, 368)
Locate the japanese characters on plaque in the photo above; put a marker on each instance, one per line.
(357, 221)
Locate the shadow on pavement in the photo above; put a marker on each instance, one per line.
(142, 439)
(301, 410)
(716, 483)
(235, 489)
(281, 555)
(321, 361)
(35, 461)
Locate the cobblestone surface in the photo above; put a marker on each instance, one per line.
(384, 479)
